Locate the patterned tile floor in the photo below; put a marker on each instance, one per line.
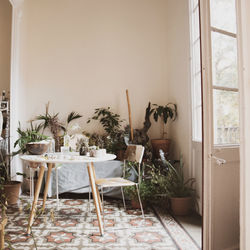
(74, 227)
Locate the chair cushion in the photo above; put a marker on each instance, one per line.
(114, 182)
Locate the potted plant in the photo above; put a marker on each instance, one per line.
(9, 190)
(145, 186)
(179, 191)
(114, 140)
(58, 129)
(28, 141)
(145, 190)
(165, 113)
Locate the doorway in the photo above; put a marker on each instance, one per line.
(221, 124)
(195, 141)
(5, 52)
(5, 46)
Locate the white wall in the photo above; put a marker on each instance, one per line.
(5, 41)
(82, 55)
(179, 78)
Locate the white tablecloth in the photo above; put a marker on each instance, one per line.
(74, 177)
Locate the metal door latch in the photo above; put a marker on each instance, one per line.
(219, 161)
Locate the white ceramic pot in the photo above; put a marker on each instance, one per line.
(100, 153)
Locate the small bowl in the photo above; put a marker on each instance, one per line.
(37, 148)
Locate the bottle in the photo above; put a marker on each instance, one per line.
(3, 96)
(66, 140)
(3, 100)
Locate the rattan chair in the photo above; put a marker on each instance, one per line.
(133, 153)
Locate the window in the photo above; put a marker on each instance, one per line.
(195, 71)
(224, 71)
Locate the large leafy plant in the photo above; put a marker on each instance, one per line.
(28, 135)
(146, 189)
(4, 165)
(165, 113)
(111, 123)
(175, 183)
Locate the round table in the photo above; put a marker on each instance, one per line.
(51, 160)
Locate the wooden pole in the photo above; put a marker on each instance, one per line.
(129, 116)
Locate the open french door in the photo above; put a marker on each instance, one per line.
(220, 124)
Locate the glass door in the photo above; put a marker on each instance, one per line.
(221, 124)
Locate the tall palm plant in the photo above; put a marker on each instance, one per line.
(56, 127)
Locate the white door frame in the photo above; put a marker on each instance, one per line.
(243, 18)
(207, 116)
(17, 14)
(243, 10)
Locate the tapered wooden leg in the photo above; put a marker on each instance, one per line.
(2, 238)
(2, 226)
(37, 191)
(97, 191)
(50, 166)
(95, 198)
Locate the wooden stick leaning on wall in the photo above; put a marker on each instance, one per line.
(129, 116)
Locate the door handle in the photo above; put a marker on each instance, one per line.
(219, 161)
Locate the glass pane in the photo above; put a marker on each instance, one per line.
(197, 89)
(196, 73)
(197, 133)
(224, 60)
(196, 24)
(226, 117)
(196, 110)
(195, 3)
(223, 15)
(197, 55)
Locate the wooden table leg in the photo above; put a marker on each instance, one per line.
(2, 226)
(96, 201)
(37, 191)
(97, 191)
(50, 166)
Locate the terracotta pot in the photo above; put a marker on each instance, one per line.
(158, 144)
(26, 184)
(135, 204)
(12, 191)
(181, 206)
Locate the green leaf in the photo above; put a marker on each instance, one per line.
(73, 116)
